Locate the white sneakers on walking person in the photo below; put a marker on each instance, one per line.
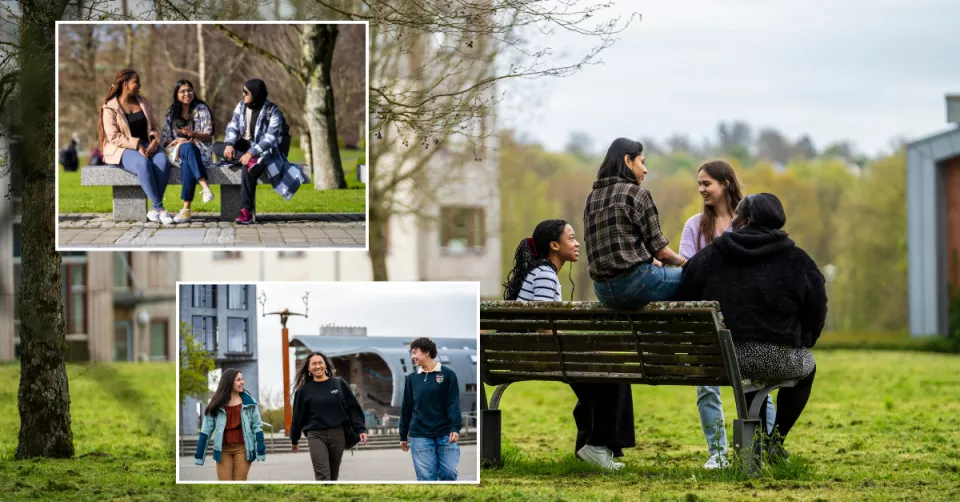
(599, 455)
(717, 461)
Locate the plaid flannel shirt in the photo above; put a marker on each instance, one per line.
(622, 228)
(202, 123)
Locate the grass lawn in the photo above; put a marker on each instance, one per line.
(881, 425)
(80, 199)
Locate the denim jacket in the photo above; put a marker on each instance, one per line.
(250, 424)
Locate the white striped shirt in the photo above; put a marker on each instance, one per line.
(541, 285)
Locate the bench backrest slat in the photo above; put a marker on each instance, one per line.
(668, 343)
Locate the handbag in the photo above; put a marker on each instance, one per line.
(173, 155)
(351, 437)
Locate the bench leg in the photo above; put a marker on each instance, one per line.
(229, 202)
(129, 204)
(490, 438)
(748, 443)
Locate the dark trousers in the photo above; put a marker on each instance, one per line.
(604, 416)
(326, 452)
(248, 180)
(790, 404)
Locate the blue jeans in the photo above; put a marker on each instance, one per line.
(435, 458)
(711, 418)
(191, 170)
(153, 173)
(639, 286)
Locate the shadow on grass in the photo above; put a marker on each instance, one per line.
(517, 463)
(133, 401)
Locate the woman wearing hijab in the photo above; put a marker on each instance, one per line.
(622, 234)
(253, 142)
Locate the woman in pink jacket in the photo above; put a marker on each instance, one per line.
(129, 139)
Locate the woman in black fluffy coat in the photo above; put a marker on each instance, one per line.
(773, 301)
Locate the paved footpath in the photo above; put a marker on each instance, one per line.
(288, 230)
(362, 465)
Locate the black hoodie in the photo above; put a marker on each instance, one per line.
(769, 289)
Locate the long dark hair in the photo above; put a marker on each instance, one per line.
(221, 397)
(722, 172)
(303, 374)
(531, 253)
(122, 77)
(761, 211)
(613, 164)
(176, 106)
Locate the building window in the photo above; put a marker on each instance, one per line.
(73, 281)
(403, 362)
(471, 387)
(227, 255)
(122, 351)
(205, 328)
(291, 254)
(237, 336)
(444, 359)
(122, 275)
(205, 297)
(462, 228)
(237, 297)
(158, 340)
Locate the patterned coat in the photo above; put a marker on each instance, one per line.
(202, 123)
(285, 177)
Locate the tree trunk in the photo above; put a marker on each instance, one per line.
(43, 397)
(378, 237)
(125, 9)
(128, 46)
(305, 146)
(316, 45)
(201, 62)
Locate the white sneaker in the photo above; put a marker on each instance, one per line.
(183, 216)
(165, 217)
(207, 195)
(717, 461)
(599, 455)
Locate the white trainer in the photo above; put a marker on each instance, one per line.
(165, 217)
(153, 215)
(599, 455)
(717, 461)
(207, 195)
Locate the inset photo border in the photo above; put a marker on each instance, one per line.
(351, 357)
(215, 136)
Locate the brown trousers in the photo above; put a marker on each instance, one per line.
(233, 464)
(326, 452)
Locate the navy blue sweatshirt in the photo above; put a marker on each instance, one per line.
(431, 404)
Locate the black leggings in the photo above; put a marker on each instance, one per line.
(604, 416)
(790, 404)
(248, 181)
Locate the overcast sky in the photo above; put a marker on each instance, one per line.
(404, 309)
(861, 70)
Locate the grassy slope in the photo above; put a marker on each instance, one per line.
(80, 199)
(880, 425)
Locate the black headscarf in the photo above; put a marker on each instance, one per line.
(613, 165)
(258, 90)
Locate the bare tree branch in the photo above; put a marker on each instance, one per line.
(262, 52)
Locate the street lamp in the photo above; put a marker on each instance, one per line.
(285, 348)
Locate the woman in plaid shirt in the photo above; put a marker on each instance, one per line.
(622, 234)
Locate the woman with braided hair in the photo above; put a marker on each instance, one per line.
(128, 138)
(604, 412)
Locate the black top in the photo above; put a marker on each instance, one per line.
(180, 122)
(138, 125)
(769, 289)
(317, 406)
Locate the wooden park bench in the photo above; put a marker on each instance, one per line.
(663, 343)
(130, 202)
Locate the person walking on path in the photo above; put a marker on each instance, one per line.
(233, 421)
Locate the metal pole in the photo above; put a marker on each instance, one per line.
(287, 410)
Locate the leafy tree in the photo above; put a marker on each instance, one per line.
(195, 364)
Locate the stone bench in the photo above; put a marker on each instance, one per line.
(663, 343)
(130, 201)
